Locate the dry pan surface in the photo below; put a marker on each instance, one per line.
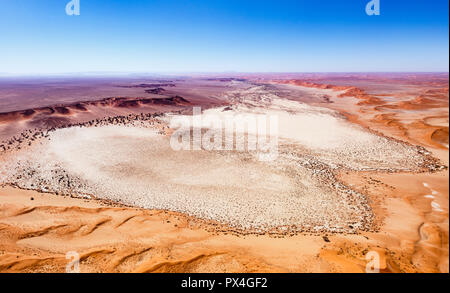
(134, 164)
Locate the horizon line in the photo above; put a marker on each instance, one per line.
(192, 73)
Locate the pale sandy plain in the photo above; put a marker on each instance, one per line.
(334, 193)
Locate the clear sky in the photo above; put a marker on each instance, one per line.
(36, 36)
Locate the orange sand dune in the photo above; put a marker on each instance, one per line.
(38, 229)
(375, 110)
(12, 123)
(418, 114)
(120, 102)
(410, 209)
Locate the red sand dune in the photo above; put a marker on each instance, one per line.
(64, 114)
(422, 93)
(122, 102)
(350, 91)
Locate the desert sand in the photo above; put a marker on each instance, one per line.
(358, 184)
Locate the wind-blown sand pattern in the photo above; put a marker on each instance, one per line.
(336, 190)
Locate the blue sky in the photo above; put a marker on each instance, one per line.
(36, 36)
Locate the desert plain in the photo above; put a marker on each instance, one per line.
(86, 166)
